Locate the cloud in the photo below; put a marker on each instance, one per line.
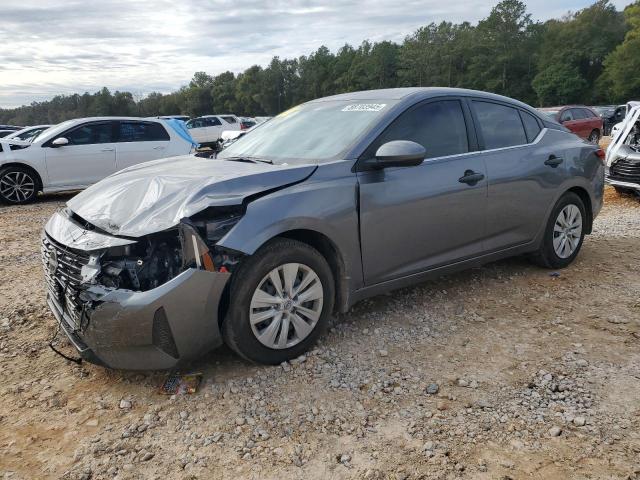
(67, 46)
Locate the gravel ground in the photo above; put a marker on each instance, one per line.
(501, 372)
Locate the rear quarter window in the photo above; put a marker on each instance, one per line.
(229, 119)
(499, 125)
(531, 125)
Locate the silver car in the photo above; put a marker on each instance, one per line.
(328, 203)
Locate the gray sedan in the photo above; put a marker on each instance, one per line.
(326, 204)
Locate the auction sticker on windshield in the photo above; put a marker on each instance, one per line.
(364, 107)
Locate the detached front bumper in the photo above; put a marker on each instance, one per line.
(156, 329)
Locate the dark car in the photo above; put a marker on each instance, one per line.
(609, 117)
(581, 120)
(328, 203)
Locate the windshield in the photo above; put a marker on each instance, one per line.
(53, 131)
(318, 131)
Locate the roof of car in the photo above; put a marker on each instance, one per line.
(546, 109)
(417, 93)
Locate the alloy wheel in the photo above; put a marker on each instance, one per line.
(567, 231)
(17, 186)
(286, 306)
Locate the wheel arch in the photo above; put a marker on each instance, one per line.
(330, 252)
(586, 199)
(26, 167)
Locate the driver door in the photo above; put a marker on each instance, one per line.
(89, 156)
(414, 219)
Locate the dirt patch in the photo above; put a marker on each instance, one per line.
(529, 376)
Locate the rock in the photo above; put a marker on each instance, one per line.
(441, 405)
(125, 404)
(579, 421)
(184, 415)
(345, 458)
(240, 421)
(92, 422)
(462, 382)
(147, 456)
(432, 389)
(383, 353)
(429, 445)
(554, 431)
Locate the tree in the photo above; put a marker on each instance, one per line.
(623, 64)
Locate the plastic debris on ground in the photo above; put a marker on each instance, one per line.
(180, 384)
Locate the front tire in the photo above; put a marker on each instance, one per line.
(18, 185)
(564, 233)
(280, 302)
(594, 137)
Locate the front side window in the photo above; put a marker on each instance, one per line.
(566, 116)
(578, 114)
(438, 126)
(500, 125)
(142, 132)
(91, 134)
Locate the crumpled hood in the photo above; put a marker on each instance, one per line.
(156, 195)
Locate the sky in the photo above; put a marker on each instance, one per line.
(52, 47)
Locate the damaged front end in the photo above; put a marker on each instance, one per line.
(143, 303)
(623, 155)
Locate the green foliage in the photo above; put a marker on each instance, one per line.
(623, 64)
(583, 57)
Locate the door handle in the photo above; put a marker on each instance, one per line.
(107, 149)
(470, 177)
(553, 161)
(158, 148)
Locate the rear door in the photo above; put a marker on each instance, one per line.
(89, 157)
(524, 172)
(139, 142)
(414, 219)
(197, 130)
(214, 128)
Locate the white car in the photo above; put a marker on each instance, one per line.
(78, 153)
(206, 130)
(28, 133)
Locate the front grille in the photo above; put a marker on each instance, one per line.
(625, 171)
(62, 271)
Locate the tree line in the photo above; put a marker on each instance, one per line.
(590, 56)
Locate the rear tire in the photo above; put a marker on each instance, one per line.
(18, 185)
(272, 321)
(564, 233)
(594, 137)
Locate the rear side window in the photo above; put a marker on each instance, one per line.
(229, 119)
(212, 122)
(91, 134)
(531, 126)
(588, 113)
(438, 126)
(500, 125)
(142, 132)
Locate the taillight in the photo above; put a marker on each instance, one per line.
(243, 126)
(600, 153)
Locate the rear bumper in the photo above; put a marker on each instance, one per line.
(156, 329)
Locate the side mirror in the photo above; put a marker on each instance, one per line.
(400, 153)
(59, 142)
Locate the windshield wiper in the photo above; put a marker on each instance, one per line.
(248, 159)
